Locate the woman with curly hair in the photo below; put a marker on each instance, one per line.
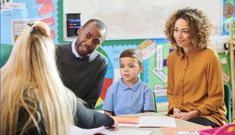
(34, 100)
(195, 86)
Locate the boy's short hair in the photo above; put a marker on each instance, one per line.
(133, 53)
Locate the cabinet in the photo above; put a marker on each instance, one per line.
(232, 56)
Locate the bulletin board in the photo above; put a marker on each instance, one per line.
(16, 14)
(228, 15)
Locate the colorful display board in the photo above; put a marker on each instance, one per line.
(16, 14)
(228, 15)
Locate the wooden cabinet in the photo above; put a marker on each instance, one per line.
(232, 58)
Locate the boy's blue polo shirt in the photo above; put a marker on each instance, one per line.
(121, 99)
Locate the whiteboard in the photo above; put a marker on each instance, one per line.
(137, 19)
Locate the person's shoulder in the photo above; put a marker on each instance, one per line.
(62, 46)
(172, 55)
(63, 50)
(116, 83)
(101, 57)
(113, 87)
(211, 50)
(210, 53)
(144, 86)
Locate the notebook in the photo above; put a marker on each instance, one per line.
(145, 121)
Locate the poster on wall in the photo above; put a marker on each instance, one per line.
(15, 14)
(18, 26)
(228, 15)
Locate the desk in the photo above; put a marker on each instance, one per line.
(134, 130)
(157, 131)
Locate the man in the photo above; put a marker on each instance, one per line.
(82, 68)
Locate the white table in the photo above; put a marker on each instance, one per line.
(157, 131)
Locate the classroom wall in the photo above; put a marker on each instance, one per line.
(134, 19)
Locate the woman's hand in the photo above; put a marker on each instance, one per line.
(189, 115)
(186, 115)
(176, 113)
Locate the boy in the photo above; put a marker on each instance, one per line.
(129, 94)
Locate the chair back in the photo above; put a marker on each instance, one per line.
(227, 100)
(155, 101)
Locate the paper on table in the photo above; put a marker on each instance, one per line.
(127, 119)
(156, 121)
(184, 130)
(80, 131)
(103, 131)
(145, 121)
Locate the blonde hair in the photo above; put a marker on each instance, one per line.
(30, 82)
(199, 24)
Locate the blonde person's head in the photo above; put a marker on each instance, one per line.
(30, 82)
(200, 28)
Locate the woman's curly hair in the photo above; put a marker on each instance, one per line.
(199, 24)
